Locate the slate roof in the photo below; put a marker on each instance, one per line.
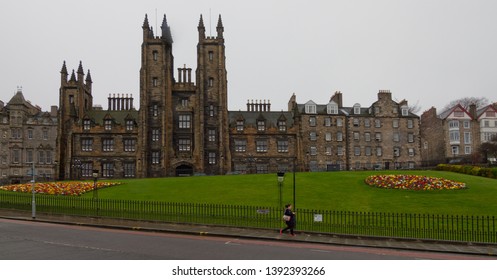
(119, 117)
(251, 117)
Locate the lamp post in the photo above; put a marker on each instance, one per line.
(95, 189)
(33, 201)
(281, 178)
(294, 170)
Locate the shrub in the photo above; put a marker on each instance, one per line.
(475, 171)
(494, 172)
(469, 169)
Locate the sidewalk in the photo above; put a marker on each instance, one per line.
(404, 244)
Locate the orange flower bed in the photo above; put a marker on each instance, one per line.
(413, 182)
(73, 188)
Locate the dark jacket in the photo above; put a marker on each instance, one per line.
(289, 212)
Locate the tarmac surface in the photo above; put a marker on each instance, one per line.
(264, 234)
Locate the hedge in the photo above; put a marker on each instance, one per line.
(470, 170)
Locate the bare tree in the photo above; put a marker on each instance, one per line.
(412, 108)
(465, 102)
(415, 108)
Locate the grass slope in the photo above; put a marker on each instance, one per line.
(343, 191)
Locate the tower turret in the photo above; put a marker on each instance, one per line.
(156, 87)
(63, 74)
(201, 29)
(146, 28)
(212, 93)
(81, 73)
(166, 31)
(220, 28)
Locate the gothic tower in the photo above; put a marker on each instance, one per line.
(156, 82)
(213, 104)
(75, 98)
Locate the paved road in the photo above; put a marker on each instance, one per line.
(20, 240)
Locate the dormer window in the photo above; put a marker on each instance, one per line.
(261, 125)
(357, 109)
(240, 125)
(332, 108)
(108, 125)
(282, 126)
(130, 125)
(310, 108)
(405, 110)
(86, 124)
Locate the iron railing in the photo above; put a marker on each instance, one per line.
(464, 228)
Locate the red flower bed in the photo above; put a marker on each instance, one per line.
(59, 188)
(413, 182)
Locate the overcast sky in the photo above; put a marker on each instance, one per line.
(425, 51)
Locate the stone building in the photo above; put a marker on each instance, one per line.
(432, 140)
(181, 127)
(452, 136)
(263, 141)
(322, 134)
(384, 135)
(28, 139)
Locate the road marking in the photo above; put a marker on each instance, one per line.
(79, 246)
(320, 251)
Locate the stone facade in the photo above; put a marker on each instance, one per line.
(262, 141)
(183, 126)
(180, 129)
(322, 134)
(452, 136)
(382, 136)
(28, 139)
(432, 140)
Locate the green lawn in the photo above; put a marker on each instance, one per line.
(344, 191)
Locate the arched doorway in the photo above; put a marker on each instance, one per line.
(184, 170)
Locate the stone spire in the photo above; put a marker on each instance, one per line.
(166, 31)
(201, 29)
(145, 23)
(64, 68)
(88, 78)
(220, 28)
(73, 76)
(63, 73)
(80, 68)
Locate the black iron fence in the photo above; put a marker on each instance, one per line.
(418, 226)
